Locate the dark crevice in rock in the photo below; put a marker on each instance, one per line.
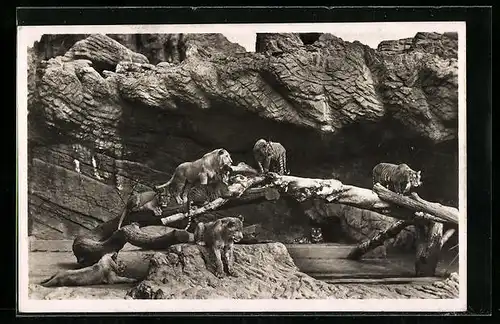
(181, 48)
(309, 38)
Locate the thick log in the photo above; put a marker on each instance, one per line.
(380, 199)
(330, 190)
(243, 168)
(429, 238)
(430, 241)
(89, 250)
(300, 189)
(234, 191)
(148, 241)
(90, 247)
(445, 213)
(378, 239)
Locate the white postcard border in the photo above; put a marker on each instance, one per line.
(28, 34)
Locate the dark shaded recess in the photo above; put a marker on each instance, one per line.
(41, 133)
(168, 49)
(138, 42)
(351, 153)
(259, 45)
(145, 129)
(181, 48)
(51, 46)
(309, 38)
(359, 147)
(278, 87)
(332, 231)
(452, 35)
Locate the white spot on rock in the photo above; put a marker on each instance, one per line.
(327, 129)
(96, 172)
(77, 165)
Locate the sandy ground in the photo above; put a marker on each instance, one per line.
(44, 264)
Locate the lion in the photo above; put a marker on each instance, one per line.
(398, 178)
(213, 167)
(219, 237)
(269, 154)
(148, 200)
(106, 271)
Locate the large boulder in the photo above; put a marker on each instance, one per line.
(264, 271)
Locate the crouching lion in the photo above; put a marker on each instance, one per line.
(219, 237)
(106, 271)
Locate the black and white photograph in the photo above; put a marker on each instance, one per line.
(249, 167)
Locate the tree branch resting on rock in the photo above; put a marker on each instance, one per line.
(378, 239)
(429, 229)
(445, 213)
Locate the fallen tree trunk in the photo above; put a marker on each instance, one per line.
(330, 190)
(407, 209)
(430, 237)
(135, 236)
(378, 239)
(417, 204)
(234, 191)
(88, 250)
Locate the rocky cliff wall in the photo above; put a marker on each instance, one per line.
(106, 112)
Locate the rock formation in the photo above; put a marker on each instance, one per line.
(108, 113)
(263, 271)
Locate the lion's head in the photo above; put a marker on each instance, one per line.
(223, 159)
(233, 228)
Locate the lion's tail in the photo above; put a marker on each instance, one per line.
(122, 217)
(166, 184)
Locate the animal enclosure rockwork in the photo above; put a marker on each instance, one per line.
(106, 112)
(263, 271)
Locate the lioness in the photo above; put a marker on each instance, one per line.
(211, 167)
(147, 200)
(106, 271)
(219, 237)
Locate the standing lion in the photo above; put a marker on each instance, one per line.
(212, 167)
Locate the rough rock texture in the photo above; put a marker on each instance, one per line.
(264, 271)
(103, 117)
